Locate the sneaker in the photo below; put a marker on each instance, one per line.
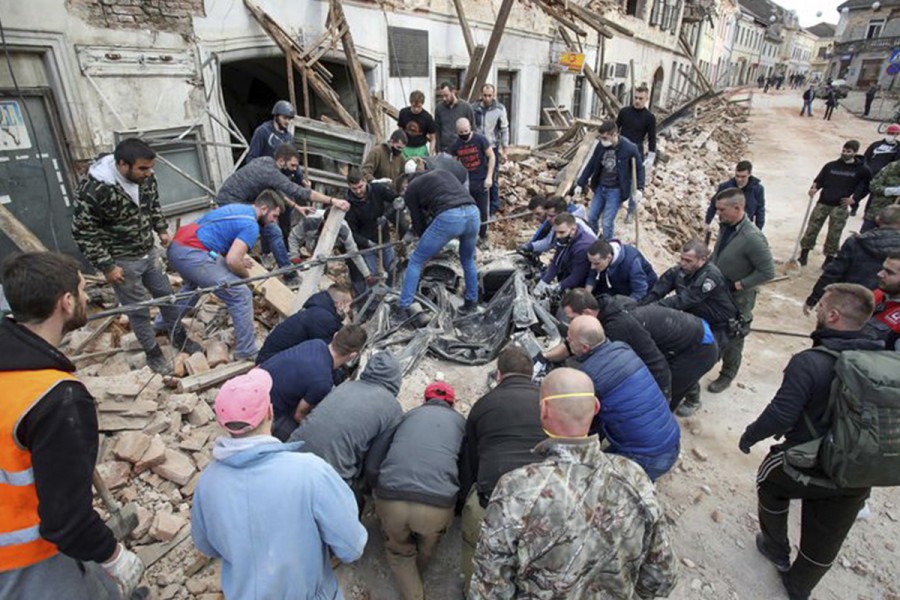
(781, 563)
(720, 384)
(157, 361)
(182, 343)
(865, 513)
(688, 407)
(804, 258)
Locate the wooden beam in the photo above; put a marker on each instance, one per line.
(295, 51)
(372, 117)
(20, 235)
(610, 102)
(491, 50)
(558, 14)
(572, 44)
(471, 72)
(595, 20)
(196, 383)
(275, 293)
(324, 247)
(571, 171)
(685, 47)
(464, 24)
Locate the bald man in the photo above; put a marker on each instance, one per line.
(634, 414)
(581, 524)
(475, 153)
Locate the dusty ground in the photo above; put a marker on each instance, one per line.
(710, 495)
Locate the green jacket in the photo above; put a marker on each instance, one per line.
(887, 177)
(746, 257)
(107, 224)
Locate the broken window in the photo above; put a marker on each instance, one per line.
(506, 86)
(634, 8)
(181, 183)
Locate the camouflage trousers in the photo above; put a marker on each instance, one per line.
(837, 218)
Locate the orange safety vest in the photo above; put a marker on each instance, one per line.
(21, 543)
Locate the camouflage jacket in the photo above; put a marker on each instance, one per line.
(580, 524)
(887, 177)
(106, 222)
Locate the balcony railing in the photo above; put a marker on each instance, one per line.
(885, 44)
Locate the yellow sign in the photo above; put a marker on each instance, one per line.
(573, 61)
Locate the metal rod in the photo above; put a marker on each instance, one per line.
(779, 332)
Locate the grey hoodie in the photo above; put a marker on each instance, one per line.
(355, 417)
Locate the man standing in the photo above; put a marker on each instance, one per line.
(441, 210)
(492, 121)
(861, 257)
(609, 173)
(385, 161)
(843, 183)
(878, 155)
(304, 374)
(52, 542)
(447, 113)
(808, 96)
(321, 317)
(581, 524)
(257, 491)
(636, 123)
(754, 195)
(417, 486)
(870, 98)
(214, 249)
(475, 153)
(570, 265)
(800, 411)
(884, 190)
(501, 430)
(419, 126)
(115, 215)
(268, 173)
(370, 217)
(619, 269)
(743, 256)
(831, 102)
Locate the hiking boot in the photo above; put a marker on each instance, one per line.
(786, 582)
(629, 218)
(688, 407)
(182, 343)
(157, 361)
(804, 258)
(469, 307)
(781, 563)
(720, 384)
(400, 315)
(827, 261)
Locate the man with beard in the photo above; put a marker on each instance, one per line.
(214, 250)
(843, 183)
(570, 265)
(887, 300)
(115, 215)
(385, 161)
(52, 542)
(754, 195)
(268, 173)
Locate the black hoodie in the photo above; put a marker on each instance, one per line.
(838, 179)
(364, 213)
(61, 433)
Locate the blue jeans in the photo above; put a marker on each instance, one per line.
(657, 465)
(387, 260)
(807, 108)
(606, 200)
(495, 186)
(273, 241)
(200, 270)
(457, 223)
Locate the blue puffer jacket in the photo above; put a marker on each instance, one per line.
(629, 274)
(634, 415)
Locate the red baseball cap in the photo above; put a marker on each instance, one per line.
(441, 391)
(243, 402)
(893, 129)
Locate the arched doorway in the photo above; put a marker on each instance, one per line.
(656, 92)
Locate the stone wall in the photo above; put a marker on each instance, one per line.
(158, 15)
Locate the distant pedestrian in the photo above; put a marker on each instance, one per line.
(870, 97)
(831, 102)
(808, 96)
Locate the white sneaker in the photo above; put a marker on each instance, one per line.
(865, 514)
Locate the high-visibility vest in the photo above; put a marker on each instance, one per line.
(21, 543)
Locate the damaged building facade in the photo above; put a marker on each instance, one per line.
(195, 77)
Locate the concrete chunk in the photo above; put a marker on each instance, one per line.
(183, 403)
(216, 353)
(115, 474)
(166, 526)
(177, 467)
(154, 455)
(201, 415)
(197, 364)
(131, 446)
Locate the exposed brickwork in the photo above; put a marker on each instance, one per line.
(159, 15)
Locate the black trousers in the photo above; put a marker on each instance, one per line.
(687, 369)
(826, 519)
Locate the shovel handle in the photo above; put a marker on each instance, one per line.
(104, 492)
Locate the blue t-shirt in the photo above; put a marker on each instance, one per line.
(219, 228)
(302, 372)
(472, 155)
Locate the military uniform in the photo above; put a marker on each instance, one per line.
(580, 524)
(113, 229)
(887, 177)
(703, 293)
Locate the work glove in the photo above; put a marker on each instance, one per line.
(399, 203)
(745, 444)
(541, 289)
(553, 288)
(892, 191)
(408, 238)
(385, 180)
(650, 161)
(539, 369)
(577, 191)
(383, 222)
(638, 196)
(524, 248)
(126, 569)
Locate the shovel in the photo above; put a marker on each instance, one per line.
(122, 519)
(793, 266)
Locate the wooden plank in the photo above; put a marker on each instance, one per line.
(132, 408)
(152, 553)
(490, 51)
(574, 166)
(275, 293)
(557, 14)
(686, 49)
(610, 102)
(116, 422)
(196, 383)
(95, 333)
(20, 235)
(464, 24)
(324, 247)
(601, 24)
(372, 117)
(471, 72)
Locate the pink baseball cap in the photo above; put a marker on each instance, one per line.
(243, 402)
(440, 390)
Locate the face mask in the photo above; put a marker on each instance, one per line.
(395, 151)
(606, 143)
(890, 139)
(287, 172)
(563, 241)
(465, 137)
